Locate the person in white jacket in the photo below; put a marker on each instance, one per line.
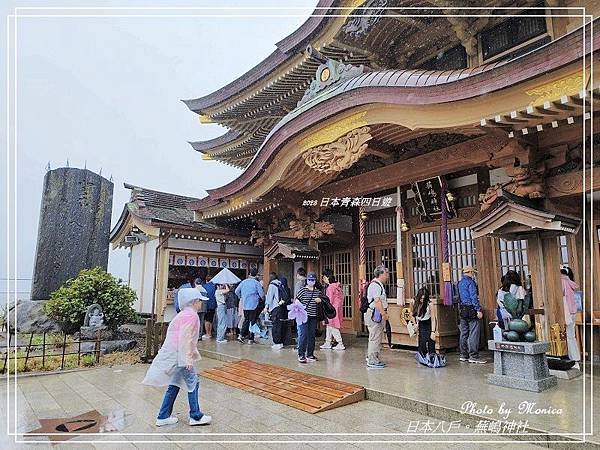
(173, 366)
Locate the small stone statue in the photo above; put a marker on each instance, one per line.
(93, 322)
(94, 317)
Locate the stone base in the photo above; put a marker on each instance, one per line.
(91, 332)
(522, 383)
(566, 374)
(521, 365)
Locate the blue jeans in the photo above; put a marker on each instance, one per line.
(306, 337)
(469, 338)
(221, 322)
(167, 405)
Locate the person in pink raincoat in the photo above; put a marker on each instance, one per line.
(173, 366)
(569, 287)
(335, 294)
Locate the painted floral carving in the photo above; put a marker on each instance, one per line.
(338, 155)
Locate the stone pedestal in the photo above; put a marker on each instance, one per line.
(521, 365)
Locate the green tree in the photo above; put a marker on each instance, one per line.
(69, 303)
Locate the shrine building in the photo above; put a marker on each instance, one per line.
(423, 139)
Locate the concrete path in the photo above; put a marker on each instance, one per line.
(236, 414)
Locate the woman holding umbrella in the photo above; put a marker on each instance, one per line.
(223, 281)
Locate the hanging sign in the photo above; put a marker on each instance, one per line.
(253, 265)
(191, 261)
(234, 263)
(179, 260)
(428, 195)
(171, 259)
(223, 263)
(243, 264)
(213, 262)
(202, 261)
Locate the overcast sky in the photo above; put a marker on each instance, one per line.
(106, 92)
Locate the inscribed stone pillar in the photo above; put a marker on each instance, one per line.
(74, 228)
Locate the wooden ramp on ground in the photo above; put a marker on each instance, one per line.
(299, 390)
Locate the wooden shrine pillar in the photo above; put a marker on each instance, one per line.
(311, 264)
(269, 265)
(544, 266)
(488, 279)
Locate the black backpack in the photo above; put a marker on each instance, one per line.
(284, 294)
(364, 301)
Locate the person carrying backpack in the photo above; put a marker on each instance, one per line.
(375, 315)
(275, 303)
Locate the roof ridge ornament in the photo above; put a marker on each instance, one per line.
(330, 72)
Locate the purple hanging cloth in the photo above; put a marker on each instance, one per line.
(447, 293)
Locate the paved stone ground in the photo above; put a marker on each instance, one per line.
(447, 387)
(234, 411)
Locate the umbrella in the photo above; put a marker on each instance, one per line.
(225, 276)
(388, 332)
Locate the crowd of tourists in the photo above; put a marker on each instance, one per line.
(241, 312)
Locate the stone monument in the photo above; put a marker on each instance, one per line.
(521, 365)
(74, 228)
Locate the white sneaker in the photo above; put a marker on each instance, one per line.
(325, 346)
(224, 341)
(206, 336)
(204, 420)
(277, 346)
(339, 347)
(167, 421)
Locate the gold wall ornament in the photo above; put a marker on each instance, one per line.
(333, 131)
(569, 85)
(340, 154)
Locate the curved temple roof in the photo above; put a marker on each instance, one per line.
(358, 32)
(286, 49)
(416, 87)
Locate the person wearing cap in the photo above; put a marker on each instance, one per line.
(470, 316)
(376, 315)
(173, 366)
(310, 297)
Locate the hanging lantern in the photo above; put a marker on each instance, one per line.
(450, 196)
(404, 226)
(363, 216)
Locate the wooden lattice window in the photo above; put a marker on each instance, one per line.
(341, 264)
(511, 33)
(388, 259)
(370, 263)
(461, 247)
(513, 256)
(425, 261)
(381, 225)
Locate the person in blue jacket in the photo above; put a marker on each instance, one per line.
(470, 317)
(250, 292)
